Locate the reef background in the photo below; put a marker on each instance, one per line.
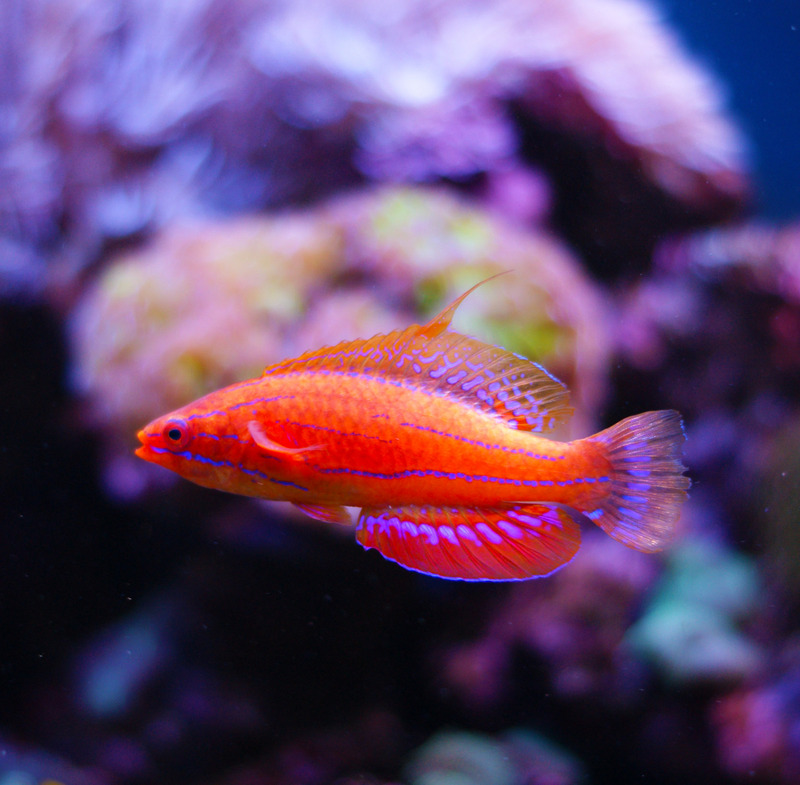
(191, 190)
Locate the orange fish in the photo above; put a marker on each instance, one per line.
(434, 435)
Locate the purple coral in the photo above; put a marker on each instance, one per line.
(758, 727)
(574, 623)
(119, 119)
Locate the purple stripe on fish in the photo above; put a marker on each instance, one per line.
(477, 443)
(328, 429)
(425, 473)
(190, 456)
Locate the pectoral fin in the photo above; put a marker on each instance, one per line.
(273, 448)
(498, 544)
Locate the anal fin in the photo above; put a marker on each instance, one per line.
(471, 544)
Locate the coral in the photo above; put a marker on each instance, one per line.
(141, 697)
(26, 766)
(539, 761)
(203, 307)
(605, 70)
(758, 726)
(754, 257)
(459, 759)
(574, 622)
(114, 670)
(519, 757)
(121, 119)
(691, 627)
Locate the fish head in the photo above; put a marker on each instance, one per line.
(165, 439)
(196, 442)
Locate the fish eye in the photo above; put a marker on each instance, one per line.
(176, 434)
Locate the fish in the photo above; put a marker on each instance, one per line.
(440, 441)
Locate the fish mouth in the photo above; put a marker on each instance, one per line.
(143, 451)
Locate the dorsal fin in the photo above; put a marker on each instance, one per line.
(362, 354)
(441, 321)
(448, 363)
(489, 378)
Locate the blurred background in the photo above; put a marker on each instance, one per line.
(192, 189)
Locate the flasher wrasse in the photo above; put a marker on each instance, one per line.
(434, 435)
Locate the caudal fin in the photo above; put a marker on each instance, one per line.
(648, 484)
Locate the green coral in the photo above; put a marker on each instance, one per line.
(690, 629)
(460, 758)
(518, 757)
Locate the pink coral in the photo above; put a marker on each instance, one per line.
(759, 265)
(200, 309)
(759, 255)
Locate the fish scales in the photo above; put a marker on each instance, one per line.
(436, 437)
(402, 445)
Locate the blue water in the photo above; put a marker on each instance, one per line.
(754, 49)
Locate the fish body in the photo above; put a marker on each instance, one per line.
(435, 436)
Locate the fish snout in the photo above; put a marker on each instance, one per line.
(144, 450)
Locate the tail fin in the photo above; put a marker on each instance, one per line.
(648, 485)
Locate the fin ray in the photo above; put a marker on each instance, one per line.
(439, 323)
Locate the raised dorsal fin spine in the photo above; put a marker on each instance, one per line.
(486, 377)
(439, 323)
